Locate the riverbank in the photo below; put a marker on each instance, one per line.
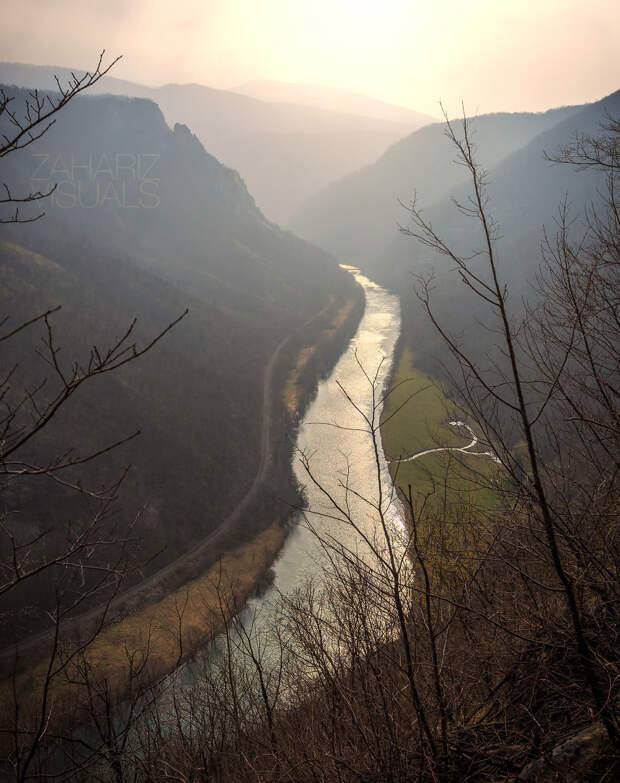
(178, 620)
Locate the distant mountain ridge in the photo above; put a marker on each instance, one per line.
(357, 216)
(285, 152)
(332, 98)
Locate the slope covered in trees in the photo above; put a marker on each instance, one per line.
(145, 223)
(358, 217)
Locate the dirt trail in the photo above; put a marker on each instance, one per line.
(462, 449)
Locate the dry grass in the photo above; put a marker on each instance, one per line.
(293, 393)
(200, 609)
(341, 316)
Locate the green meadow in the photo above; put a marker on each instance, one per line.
(416, 418)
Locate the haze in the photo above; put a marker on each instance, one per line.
(506, 56)
(309, 397)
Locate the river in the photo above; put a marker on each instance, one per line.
(339, 451)
(336, 445)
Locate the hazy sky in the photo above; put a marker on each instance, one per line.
(493, 54)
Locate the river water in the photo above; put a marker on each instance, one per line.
(334, 442)
(339, 451)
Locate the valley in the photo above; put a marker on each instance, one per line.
(308, 399)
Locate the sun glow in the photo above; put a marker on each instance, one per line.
(412, 52)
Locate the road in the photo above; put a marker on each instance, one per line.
(147, 590)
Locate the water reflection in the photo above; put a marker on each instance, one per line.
(334, 439)
(335, 445)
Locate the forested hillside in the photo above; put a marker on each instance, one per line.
(144, 224)
(358, 217)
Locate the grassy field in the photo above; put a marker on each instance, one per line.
(448, 481)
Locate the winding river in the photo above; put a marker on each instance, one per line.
(335, 442)
(339, 450)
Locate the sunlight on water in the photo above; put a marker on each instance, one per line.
(339, 450)
(334, 440)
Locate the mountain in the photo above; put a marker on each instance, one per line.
(42, 77)
(333, 99)
(285, 152)
(145, 223)
(357, 217)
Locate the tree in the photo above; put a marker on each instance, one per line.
(78, 563)
(567, 360)
(23, 128)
